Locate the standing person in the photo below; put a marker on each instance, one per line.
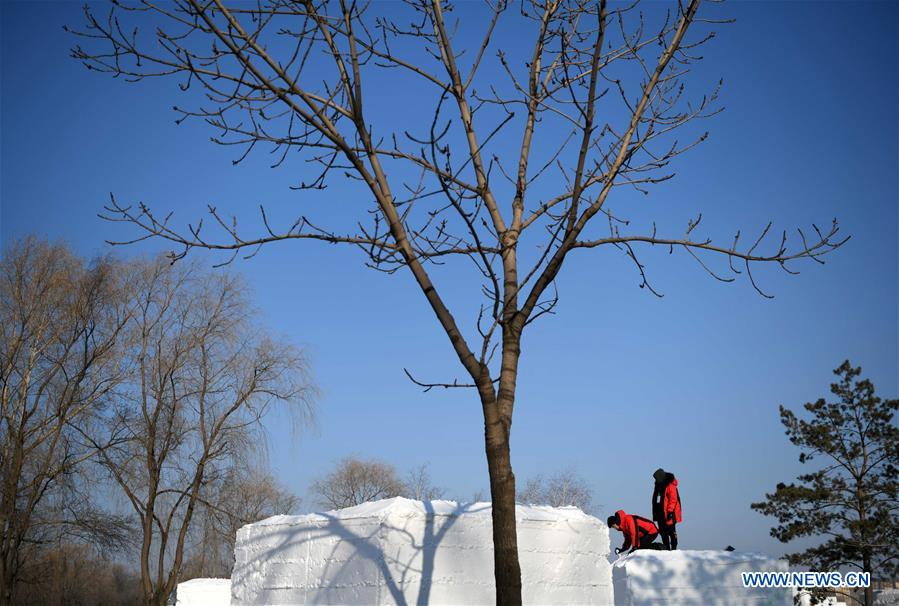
(666, 508)
(639, 533)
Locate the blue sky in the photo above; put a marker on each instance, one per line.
(618, 382)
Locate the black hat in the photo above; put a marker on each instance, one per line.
(613, 520)
(659, 475)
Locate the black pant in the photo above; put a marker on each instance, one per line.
(646, 542)
(669, 535)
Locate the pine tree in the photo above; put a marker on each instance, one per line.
(851, 499)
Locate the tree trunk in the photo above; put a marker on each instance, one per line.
(159, 598)
(507, 571)
(146, 579)
(5, 585)
(8, 567)
(869, 590)
(497, 430)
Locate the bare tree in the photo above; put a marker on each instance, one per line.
(419, 485)
(597, 100)
(73, 574)
(240, 496)
(563, 489)
(477, 496)
(59, 320)
(202, 377)
(356, 481)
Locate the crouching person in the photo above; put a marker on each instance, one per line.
(639, 533)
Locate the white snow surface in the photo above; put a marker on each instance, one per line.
(204, 592)
(694, 578)
(399, 551)
(400, 506)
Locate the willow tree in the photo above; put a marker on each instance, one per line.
(505, 140)
(202, 377)
(60, 320)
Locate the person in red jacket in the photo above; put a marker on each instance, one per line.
(639, 533)
(666, 508)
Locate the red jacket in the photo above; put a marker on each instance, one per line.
(634, 528)
(666, 507)
(671, 502)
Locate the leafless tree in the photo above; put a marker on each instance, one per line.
(74, 574)
(565, 488)
(202, 376)
(59, 320)
(510, 173)
(419, 485)
(355, 481)
(240, 496)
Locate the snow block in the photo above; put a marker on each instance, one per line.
(204, 592)
(694, 578)
(399, 551)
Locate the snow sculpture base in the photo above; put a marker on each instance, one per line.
(399, 551)
(204, 592)
(694, 578)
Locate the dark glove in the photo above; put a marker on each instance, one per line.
(617, 550)
(670, 518)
